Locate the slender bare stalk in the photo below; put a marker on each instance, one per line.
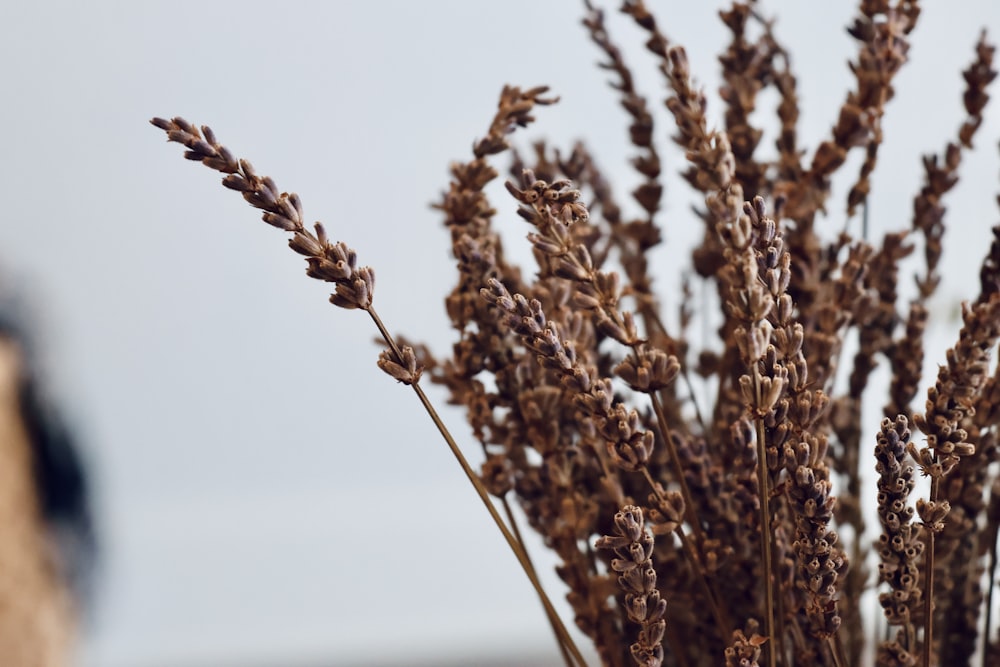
(337, 263)
(929, 586)
(690, 507)
(564, 637)
(516, 531)
(767, 562)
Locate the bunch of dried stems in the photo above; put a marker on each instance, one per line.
(672, 518)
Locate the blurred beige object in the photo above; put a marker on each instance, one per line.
(36, 615)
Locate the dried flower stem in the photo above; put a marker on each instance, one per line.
(552, 209)
(515, 545)
(765, 523)
(628, 445)
(516, 531)
(336, 263)
(750, 302)
(675, 461)
(929, 584)
(949, 402)
(692, 553)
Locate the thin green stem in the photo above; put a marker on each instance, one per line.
(483, 494)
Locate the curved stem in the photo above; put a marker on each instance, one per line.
(483, 494)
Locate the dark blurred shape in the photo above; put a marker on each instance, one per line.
(47, 543)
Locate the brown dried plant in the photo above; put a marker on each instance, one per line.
(740, 523)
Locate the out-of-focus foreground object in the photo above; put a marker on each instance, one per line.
(45, 529)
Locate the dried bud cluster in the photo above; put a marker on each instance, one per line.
(404, 369)
(554, 210)
(821, 559)
(747, 67)
(906, 358)
(515, 107)
(745, 651)
(754, 279)
(633, 546)
(650, 370)
(331, 262)
(899, 545)
(627, 442)
(666, 511)
(952, 397)
(647, 163)
(941, 171)
(882, 31)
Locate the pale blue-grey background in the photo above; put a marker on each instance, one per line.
(265, 494)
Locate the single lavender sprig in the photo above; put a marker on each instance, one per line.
(633, 546)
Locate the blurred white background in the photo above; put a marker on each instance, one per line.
(265, 495)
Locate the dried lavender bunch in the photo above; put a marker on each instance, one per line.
(336, 263)
(689, 533)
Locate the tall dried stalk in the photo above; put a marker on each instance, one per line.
(690, 534)
(336, 263)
